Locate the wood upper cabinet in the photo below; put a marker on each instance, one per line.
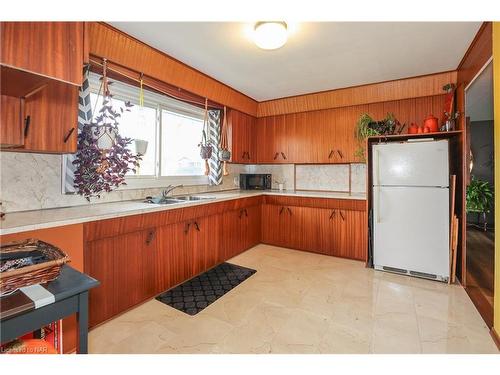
(50, 119)
(275, 139)
(241, 132)
(51, 49)
(325, 136)
(240, 230)
(11, 130)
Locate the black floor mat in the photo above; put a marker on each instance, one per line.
(194, 295)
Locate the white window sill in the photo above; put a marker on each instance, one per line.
(153, 182)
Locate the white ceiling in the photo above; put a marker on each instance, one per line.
(318, 56)
(479, 96)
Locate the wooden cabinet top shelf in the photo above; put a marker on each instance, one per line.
(403, 137)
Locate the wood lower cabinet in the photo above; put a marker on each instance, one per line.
(125, 267)
(241, 230)
(335, 232)
(343, 233)
(138, 257)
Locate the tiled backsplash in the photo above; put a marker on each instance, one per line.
(322, 177)
(33, 181)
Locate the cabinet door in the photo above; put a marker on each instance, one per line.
(252, 226)
(332, 232)
(240, 230)
(355, 241)
(11, 123)
(125, 267)
(242, 133)
(284, 139)
(52, 49)
(53, 119)
(129, 276)
(175, 254)
(204, 236)
(273, 227)
(343, 233)
(99, 264)
(232, 233)
(266, 150)
(346, 119)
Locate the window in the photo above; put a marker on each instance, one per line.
(179, 142)
(171, 128)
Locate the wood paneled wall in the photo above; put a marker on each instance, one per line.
(120, 48)
(407, 88)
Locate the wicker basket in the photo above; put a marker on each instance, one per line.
(10, 281)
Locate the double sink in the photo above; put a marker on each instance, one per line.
(175, 200)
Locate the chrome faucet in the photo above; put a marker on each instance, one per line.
(169, 189)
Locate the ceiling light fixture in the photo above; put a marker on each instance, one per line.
(270, 34)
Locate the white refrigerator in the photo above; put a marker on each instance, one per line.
(411, 208)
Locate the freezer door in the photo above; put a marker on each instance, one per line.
(411, 164)
(411, 229)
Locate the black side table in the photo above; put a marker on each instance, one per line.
(18, 315)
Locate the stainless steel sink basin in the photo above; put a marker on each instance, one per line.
(193, 198)
(175, 200)
(162, 200)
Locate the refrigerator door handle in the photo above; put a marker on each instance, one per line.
(377, 166)
(377, 202)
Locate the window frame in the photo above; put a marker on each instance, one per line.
(159, 102)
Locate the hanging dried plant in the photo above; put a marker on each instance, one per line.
(102, 168)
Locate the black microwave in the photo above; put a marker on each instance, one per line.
(255, 181)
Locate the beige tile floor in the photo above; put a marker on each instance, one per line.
(299, 302)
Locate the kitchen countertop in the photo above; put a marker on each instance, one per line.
(16, 222)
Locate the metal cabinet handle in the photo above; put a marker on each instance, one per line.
(284, 156)
(243, 156)
(248, 155)
(150, 237)
(69, 134)
(340, 154)
(330, 154)
(342, 215)
(196, 226)
(186, 230)
(281, 211)
(276, 155)
(246, 212)
(289, 210)
(241, 213)
(332, 215)
(27, 122)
